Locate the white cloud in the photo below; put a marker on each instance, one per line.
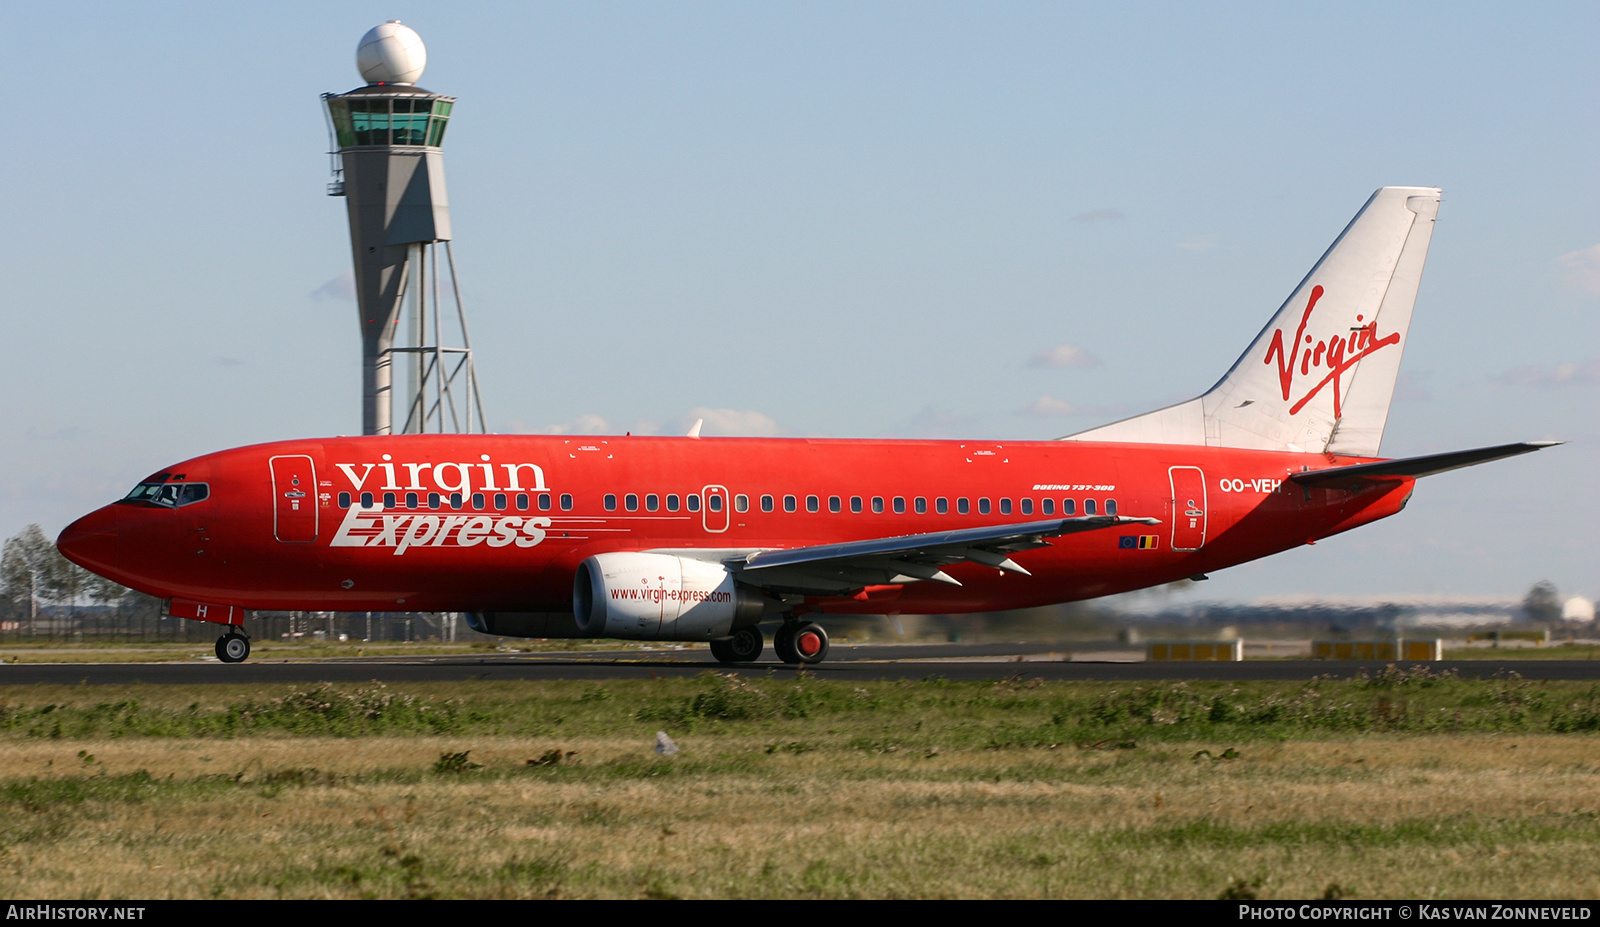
(1412, 387)
(1582, 269)
(1048, 407)
(1586, 373)
(1100, 215)
(931, 422)
(731, 422)
(340, 287)
(1063, 355)
(586, 424)
(1199, 243)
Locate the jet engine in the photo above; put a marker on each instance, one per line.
(660, 597)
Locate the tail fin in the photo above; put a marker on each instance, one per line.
(1320, 376)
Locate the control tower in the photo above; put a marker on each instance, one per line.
(389, 167)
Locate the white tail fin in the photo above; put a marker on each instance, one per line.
(1320, 376)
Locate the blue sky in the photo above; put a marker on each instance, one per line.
(915, 219)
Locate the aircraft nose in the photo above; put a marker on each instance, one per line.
(91, 541)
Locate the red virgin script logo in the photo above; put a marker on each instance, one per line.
(1337, 354)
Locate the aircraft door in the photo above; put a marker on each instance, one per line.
(1188, 510)
(294, 502)
(714, 509)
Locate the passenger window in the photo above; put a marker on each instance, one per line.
(1069, 507)
(1027, 506)
(941, 505)
(477, 501)
(741, 503)
(344, 500)
(544, 502)
(455, 500)
(835, 504)
(631, 502)
(672, 502)
(788, 503)
(433, 500)
(566, 502)
(921, 505)
(500, 501)
(1111, 506)
(899, 505)
(388, 500)
(714, 503)
(1005, 506)
(877, 505)
(411, 500)
(766, 503)
(611, 502)
(694, 503)
(366, 500)
(983, 505)
(522, 502)
(1047, 506)
(961, 505)
(855, 504)
(813, 503)
(1088, 506)
(652, 502)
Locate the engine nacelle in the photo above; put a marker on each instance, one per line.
(655, 597)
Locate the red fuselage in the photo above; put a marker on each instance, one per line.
(500, 523)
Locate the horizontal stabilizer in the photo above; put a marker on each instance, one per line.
(1341, 477)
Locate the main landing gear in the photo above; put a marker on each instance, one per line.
(743, 647)
(794, 642)
(233, 647)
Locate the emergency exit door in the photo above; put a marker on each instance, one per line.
(1188, 509)
(294, 503)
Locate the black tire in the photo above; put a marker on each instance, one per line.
(783, 644)
(744, 646)
(810, 643)
(233, 648)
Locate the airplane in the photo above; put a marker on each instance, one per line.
(705, 539)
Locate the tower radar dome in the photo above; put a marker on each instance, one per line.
(391, 54)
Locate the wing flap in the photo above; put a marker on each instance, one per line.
(835, 568)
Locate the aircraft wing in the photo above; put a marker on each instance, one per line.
(832, 569)
(1358, 475)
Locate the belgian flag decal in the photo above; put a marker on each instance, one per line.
(1138, 542)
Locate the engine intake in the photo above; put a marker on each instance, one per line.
(660, 597)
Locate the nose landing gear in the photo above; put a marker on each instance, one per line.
(233, 647)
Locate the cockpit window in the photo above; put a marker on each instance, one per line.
(167, 495)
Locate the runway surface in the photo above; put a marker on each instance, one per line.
(845, 663)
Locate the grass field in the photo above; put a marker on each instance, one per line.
(95, 651)
(1402, 785)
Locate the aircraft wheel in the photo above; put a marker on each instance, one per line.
(783, 643)
(743, 647)
(810, 643)
(233, 648)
